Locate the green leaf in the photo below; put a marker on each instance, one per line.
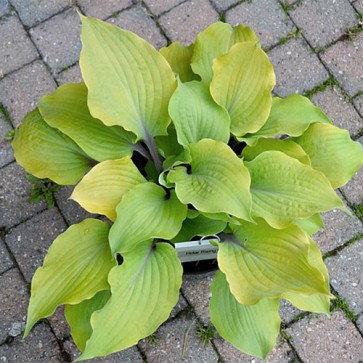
(129, 83)
(179, 57)
(74, 269)
(196, 116)
(79, 315)
(146, 212)
(103, 187)
(47, 153)
(218, 181)
(215, 40)
(168, 145)
(310, 225)
(289, 116)
(66, 109)
(332, 151)
(284, 190)
(242, 84)
(253, 329)
(262, 262)
(144, 289)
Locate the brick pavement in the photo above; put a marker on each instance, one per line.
(316, 47)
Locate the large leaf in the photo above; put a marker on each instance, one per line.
(146, 212)
(332, 151)
(242, 83)
(311, 225)
(215, 40)
(129, 83)
(66, 109)
(218, 180)
(45, 152)
(252, 329)
(283, 189)
(262, 262)
(74, 269)
(79, 317)
(144, 289)
(196, 116)
(289, 116)
(103, 187)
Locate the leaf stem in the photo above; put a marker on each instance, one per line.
(150, 143)
(142, 151)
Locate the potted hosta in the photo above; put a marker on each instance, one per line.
(171, 145)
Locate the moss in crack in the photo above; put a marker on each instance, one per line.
(153, 339)
(205, 333)
(340, 304)
(330, 82)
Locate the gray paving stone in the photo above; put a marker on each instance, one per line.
(345, 59)
(138, 21)
(323, 22)
(360, 323)
(297, 68)
(287, 311)
(158, 7)
(108, 8)
(184, 22)
(14, 301)
(180, 306)
(177, 341)
(6, 151)
(70, 75)
(16, 48)
(4, 7)
(5, 259)
(327, 340)
(338, 109)
(358, 5)
(20, 91)
(59, 324)
(59, 51)
(223, 5)
(265, 17)
(35, 11)
(39, 347)
(346, 271)
(14, 194)
(358, 102)
(29, 242)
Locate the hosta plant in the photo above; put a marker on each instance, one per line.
(171, 145)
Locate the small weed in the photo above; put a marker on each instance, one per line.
(9, 136)
(205, 333)
(5, 112)
(340, 304)
(222, 17)
(358, 209)
(153, 339)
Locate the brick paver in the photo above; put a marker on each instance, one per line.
(158, 7)
(6, 151)
(108, 8)
(5, 259)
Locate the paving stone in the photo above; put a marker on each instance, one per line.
(338, 109)
(14, 194)
(265, 17)
(360, 324)
(4, 7)
(6, 151)
(5, 259)
(287, 311)
(184, 22)
(297, 68)
(358, 102)
(223, 5)
(16, 48)
(358, 5)
(35, 11)
(196, 289)
(14, 301)
(346, 271)
(108, 8)
(59, 324)
(177, 341)
(29, 242)
(345, 59)
(180, 306)
(138, 21)
(40, 346)
(70, 75)
(161, 6)
(20, 91)
(59, 51)
(327, 340)
(323, 22)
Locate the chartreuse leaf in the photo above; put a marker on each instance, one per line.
(146, 212)
(74, 269)
(215, 40)
(284, 190)
(129, 83)
(144, 289)
(332, 151)
(289, 116)
(179, 57)
(168, 145)
(45, 152)
(286, 146)
(252, 329)
(218, 181)
(79, 315)
(102, 188)
(262, 262)
(66, 109)
(196, 116)
(242, 84)
(310, 225)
